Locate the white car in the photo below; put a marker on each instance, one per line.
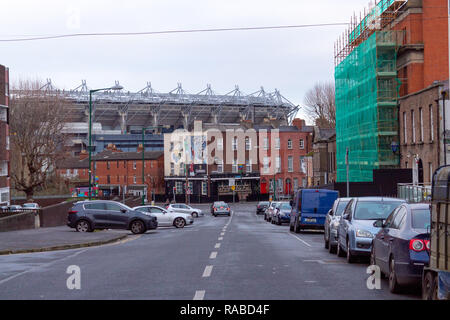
(31, 206)
(166, 218)
(183, 208)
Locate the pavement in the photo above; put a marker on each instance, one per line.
(57, 238)
(241, 257)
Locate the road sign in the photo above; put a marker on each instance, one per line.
(233, 188)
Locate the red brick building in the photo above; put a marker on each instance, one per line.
(4, 137)
(423, 69)
(283, 158)
(117, 170)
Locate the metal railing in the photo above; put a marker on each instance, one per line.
(414, 193)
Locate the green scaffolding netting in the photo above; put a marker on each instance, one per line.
(366, 107)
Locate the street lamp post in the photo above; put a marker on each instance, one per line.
(115, 87)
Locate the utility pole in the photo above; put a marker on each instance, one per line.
(348, 182)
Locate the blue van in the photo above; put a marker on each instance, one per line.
(310, 208)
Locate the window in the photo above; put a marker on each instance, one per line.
(234, 145)
(75, 172)
(266, 143)
(95, 206)
(7, 143)
(278, 164)
(113, 207)
(182, 169)
(302, 144)
(248, 166)
(304, 184)
(280, 185)
(248, 143)
(134, 179)
(290, 144)
(204, 188)
(134, 165)
(108, 165)
(431, 124)
(266, 165)
(291, 164)
(220, 166)
(171, 146)
(277, 143)
(405, 129)
(421, 124)
(172, 168)
(295, 184)
(220, 144)
(179, 186)
(413, 127)
(234, 167)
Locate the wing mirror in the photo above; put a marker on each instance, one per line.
(346, 216)
(123, 210)
(379, 224)
(330, 212)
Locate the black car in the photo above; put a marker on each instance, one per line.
(86, 216)
(262, 206)
(401, 247)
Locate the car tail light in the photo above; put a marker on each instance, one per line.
(427, 244)
(72, 212)
(417, 245)
(228, 209)
(215, 209)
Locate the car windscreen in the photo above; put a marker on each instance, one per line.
(420, 218)
(264, 203)
(285, 206)
(340, 208)
(374, 210)
(28, 205)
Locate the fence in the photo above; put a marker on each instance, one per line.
(414, 193)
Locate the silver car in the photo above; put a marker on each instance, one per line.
(184, 208)
(167, 218)
(332, 224)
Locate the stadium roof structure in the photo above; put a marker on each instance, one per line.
(177, 108)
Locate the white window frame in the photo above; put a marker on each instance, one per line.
(204, 188)
(421, 123)
(431, 124)
(172, 168)
(405, 128)
(302, 144)
(277, 143)
(220, 144)
(278, 164)
(266, 143)
(289, 144)
(248, 143)
(134, 179)
(266, 164)
(234, 144)
(413, 123)
(290, 164)
(248, 166)
(234, 166)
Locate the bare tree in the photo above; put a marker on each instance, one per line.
(320, 104)
(36, 136)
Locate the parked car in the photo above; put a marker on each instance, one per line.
(401, 246)
(184, 208)
(282, 213)
(331, 227)
(34, 207)
(15, 208)
(262, 206)
(269, 211)
(165, 217)
(310, 207)
(86, 216)
(356, 225)
(221, 208)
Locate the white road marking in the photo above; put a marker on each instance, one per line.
(301, 240)
(199, 295)
(207, 272)
(220, 238)
(217, 246)
(222, 234)
(213, 255)
(310, 281)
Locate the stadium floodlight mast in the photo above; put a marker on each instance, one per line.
(115, 88)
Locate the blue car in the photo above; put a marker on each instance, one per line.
(356, 225)
(310, 207)
(401, 247)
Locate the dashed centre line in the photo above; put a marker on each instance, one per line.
(213, 255)
(207, 272)
(217, 246)
(220, 238)
(199, 295)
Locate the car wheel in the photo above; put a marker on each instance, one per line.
(332, 249)
(429, 287)
(194, 214)
(326, 241)
(340, 252)
(179, 223)
(137, 227)
(83, 226)
(350, 257)
(394, 287)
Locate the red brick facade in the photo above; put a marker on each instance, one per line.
(4, 136)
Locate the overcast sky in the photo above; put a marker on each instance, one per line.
(291, 60)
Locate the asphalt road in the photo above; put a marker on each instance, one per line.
(237, 258)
